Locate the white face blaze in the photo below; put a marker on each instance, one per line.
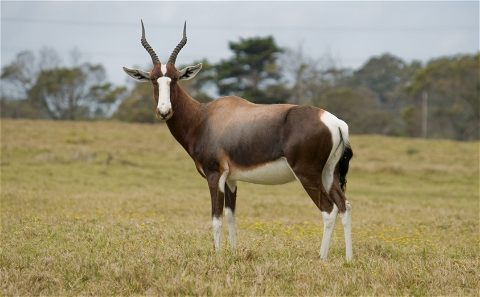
(164, 105)
(163, 68)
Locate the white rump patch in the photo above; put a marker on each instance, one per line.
(333, 124)
(273, 173)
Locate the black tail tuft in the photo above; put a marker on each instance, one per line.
(343, 166)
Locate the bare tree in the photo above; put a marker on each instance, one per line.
(66, 93)
(309, 78)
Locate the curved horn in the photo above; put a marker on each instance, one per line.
(182, 43)
(149, 49)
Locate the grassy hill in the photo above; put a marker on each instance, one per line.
(110, 208)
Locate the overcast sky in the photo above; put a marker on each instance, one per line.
(108, 32)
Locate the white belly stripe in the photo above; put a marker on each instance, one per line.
(273, 173)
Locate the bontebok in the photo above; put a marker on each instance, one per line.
(231, 139)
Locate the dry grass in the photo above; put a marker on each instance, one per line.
(73, 225)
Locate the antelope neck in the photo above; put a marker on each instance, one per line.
(186, 119)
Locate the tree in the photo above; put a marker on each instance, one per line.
(311, 78)
(106, 98)
(59, 93)
(17, 109)
(252, 72)
(360, 108)
(63, 92)
(204, 81)
(386, 76)
(139, 106)
(20, 76)
(453, 89)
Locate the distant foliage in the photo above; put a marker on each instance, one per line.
(359, 107)
(453, 89)
(139, 106)
(53, 91)
(203, 80)
(384, 96)
(252, 73)
(385, 75)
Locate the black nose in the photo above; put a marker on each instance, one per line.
(164, 115)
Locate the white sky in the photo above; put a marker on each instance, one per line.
(108, 32)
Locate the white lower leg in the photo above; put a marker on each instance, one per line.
(217, 231)
(230, 216)
(347, 228)
(328, 225)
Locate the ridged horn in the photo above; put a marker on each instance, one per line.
(149, 49)
(182, 43)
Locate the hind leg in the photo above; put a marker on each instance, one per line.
(315, 189)
(328, 226)
(329, 213)
(325, 192)
(347, 228)
(345, 213)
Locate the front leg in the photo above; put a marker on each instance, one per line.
(218, 198)
(230, 199)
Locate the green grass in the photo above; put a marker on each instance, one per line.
(73, 225)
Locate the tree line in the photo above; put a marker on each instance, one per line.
(385, 96)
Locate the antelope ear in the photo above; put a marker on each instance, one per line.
(137, 74)
(189, 72)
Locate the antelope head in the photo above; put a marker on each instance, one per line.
(164, 77)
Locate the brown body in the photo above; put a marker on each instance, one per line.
(232, 139)
(234, 131)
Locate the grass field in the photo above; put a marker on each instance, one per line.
(71, 224)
